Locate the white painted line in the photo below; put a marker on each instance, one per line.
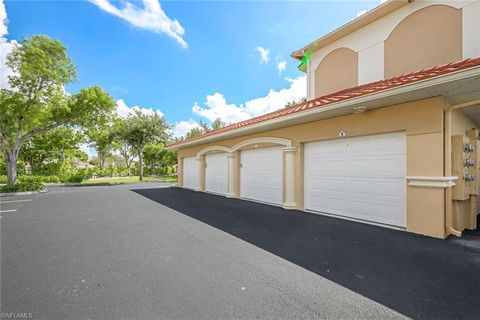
(13, 210)
(11, 201)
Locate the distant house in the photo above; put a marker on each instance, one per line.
(78, 164)
(388, 136)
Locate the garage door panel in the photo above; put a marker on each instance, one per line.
(389, 189)
(390, 167)
(327, 185)
(261, 175)
(216, 173)
(362, 178)
(360, 208)
(190, 173)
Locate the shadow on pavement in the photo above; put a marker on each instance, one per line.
(420, 277)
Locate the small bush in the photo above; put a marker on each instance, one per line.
(76, 177)
(23, 187)
(49, 169)
(3, 179)
(43, 179)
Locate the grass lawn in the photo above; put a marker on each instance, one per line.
(132, 179)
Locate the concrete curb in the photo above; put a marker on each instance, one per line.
(98, 184)
(25, 193)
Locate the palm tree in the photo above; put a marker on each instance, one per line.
(194, 132)
(293, 103)
(217, 124)
(204, 126)
(290, 104)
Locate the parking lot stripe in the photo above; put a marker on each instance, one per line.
(11, 201)
(12, 210)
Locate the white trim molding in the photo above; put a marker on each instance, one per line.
(431, 182)
(212, 148)
(289, 169)
(231, 175)
(272, 140)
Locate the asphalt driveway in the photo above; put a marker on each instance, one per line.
(105, 252)
(420, 277)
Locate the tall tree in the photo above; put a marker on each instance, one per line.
(120, 143)
(37, 102)
(218, 123)
(194, 132)
(57, 145)
(142, 129)
(101, 138)
(294, 103)
(204, 126)
(154, 154)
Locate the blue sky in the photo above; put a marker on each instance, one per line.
(191, 60)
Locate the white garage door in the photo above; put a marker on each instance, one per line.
(216, 173)
(261, 175)
(361, 178)
(190, 173)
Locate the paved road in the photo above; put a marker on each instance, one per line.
(111, 253)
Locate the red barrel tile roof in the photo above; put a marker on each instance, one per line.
(346, 94)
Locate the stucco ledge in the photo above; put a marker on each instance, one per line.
(431, 182)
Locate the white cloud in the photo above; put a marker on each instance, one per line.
(151, 17)
(361, 12)
(183, 127)
(123, 110)
(88, 150)
(216, 105)
(5, 47)
(3, 20)
(281, 66)
(263, 54)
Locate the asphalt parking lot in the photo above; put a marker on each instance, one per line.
(417, 276)
(110, 252)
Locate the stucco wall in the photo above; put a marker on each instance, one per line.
(461, 122)
(429, 37)
(423, 123)
(339, 70)
(369, 41)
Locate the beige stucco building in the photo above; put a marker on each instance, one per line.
(389, 134)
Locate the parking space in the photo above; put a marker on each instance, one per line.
(418, 276)
(12, 204)
(110, 253)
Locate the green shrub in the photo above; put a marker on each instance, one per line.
(43, 179)
(49, 169)
(3, 179)
(76, 177)
(23, 187)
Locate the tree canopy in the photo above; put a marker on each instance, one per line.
(142, 129)
(37, 103)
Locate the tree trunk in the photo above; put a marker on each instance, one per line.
(128, 163)
(101, 161)
(11, 157)
(140, 163)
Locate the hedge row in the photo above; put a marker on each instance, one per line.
(72, 178)
(23, 187)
